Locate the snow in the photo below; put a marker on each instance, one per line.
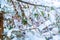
(46, 23)
(46, 34)
(56, 37)
(52, 16)
(35, 36)
(55, 30)
(42, 26)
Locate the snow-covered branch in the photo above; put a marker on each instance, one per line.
(32, 4)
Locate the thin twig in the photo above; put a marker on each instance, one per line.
(32, 4)
(14, 6)
(28, 29)
(22, 11)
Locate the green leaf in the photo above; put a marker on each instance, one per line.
(36, 15)
(52, 8)
(24, 21)
(48, 15)
(23, 15)
(10, 27)
(26, 6)
(42, 13)
(46, 38)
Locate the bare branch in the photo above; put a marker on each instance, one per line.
(28, 29)
(23, 14)
(14, 6)
(32, 4)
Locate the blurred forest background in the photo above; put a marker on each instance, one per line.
(31, 19)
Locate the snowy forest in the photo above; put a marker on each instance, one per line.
(31, 19)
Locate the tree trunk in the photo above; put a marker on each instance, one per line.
(1, 25)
